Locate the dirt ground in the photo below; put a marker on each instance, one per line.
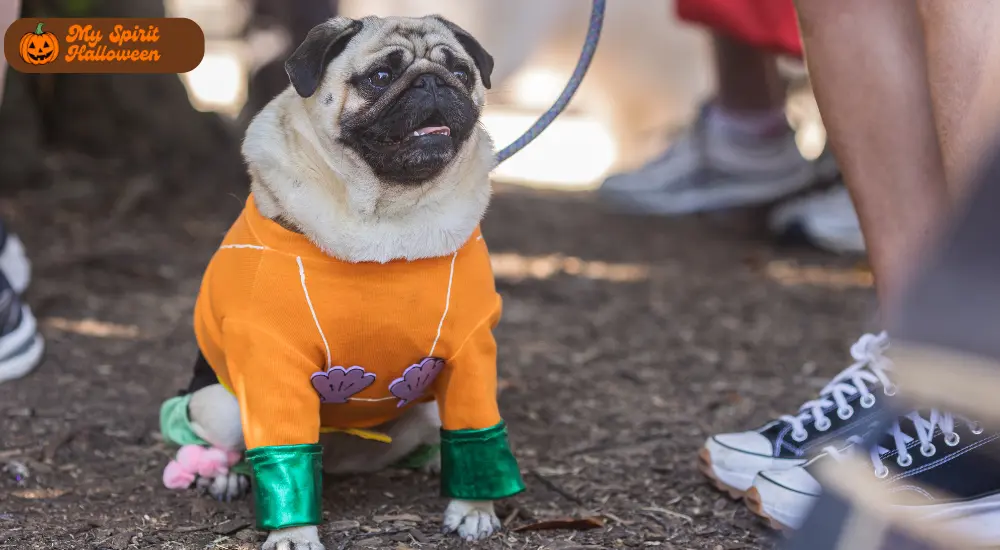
(625, 342)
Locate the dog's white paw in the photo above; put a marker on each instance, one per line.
(473, 519)
(227, 487)
(293, 538)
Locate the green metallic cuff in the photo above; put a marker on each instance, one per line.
(287, 485)
(478, 464)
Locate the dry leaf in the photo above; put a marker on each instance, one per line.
(557, 471)
(518, 267)
(93, 327)
(343, 525)
(577, 524)
(399, 517)
(670, 513)
(792, 274)
(230, 527)
(40, 493)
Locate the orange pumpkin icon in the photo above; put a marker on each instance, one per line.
(39, 47)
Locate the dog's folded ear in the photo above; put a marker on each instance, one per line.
(324, 42)
(484, 61)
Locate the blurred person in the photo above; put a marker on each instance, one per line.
(741, 151)
(909, 93)
(21, 346)
(944, 328)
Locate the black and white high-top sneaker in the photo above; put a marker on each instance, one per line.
(14, 262)
(846, 406)
(21, 346)
(933, 465)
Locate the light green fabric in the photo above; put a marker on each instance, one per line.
(175, 424)
(287, 485)
(420, 457)
(176, 428)
(478, 464)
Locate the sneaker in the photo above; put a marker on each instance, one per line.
(825, 219)
(846, 406)
(934, 466)
(21, 346)
(838, 522)
(706, 170)
(14, 262)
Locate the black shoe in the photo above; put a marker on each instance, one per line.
(938, 466)
(14, 263)
(21, 346)
(846, 406)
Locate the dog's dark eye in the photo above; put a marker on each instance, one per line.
(462, 75)
(380, 78)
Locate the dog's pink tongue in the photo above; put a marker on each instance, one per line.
(443, 130)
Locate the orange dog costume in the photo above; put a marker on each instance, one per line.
(309, 343)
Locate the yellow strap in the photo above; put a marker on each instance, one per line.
(357, 432)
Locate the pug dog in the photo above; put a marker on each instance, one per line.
(346, 320)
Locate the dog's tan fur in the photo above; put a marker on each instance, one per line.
(302, 175)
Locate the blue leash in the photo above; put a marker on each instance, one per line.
(586, 55)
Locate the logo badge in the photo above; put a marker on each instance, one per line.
(39, 47)
(104, 45)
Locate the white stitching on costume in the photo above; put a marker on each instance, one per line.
(253, 246)
(390, 398)
(302, 277)
(329, 359)
(447, 304)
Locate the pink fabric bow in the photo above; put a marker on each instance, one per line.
(193, 461)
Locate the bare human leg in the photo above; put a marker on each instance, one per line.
(955, 302)
(963, 57)
(907, 124)
(746, 77)
(944, 344)
(869, 74)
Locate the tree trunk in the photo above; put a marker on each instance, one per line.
(145, 121)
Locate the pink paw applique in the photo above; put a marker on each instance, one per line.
(338, 384)
(415, 380)
(193, 461)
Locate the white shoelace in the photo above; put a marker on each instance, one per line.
(870, 366)
(924, 429)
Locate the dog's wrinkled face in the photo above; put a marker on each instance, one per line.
(403, 94)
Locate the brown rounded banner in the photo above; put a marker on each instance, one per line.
(104, 45)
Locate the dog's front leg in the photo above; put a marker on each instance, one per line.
(473, 519)
(294, 538)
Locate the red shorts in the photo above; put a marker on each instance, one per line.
(768, 24)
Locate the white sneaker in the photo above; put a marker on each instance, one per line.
(707, 170)
(933, 465)
(21, 346)
(14, 262)
(825, 219)
(845, 407)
